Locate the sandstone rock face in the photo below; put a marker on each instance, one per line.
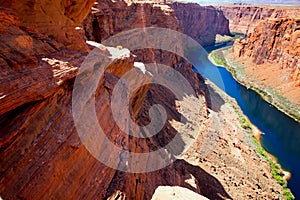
(57, 19)
(41, 153)
(275, 41)
(244, 19)
(171, 193)
(109, 18)
(24, 66)
(268, 60)
(19, 47)
(200, 23)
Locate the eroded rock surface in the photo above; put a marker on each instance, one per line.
(41, 154)
(200, 23)
(271, 57)
(243, 19)
(57, 19)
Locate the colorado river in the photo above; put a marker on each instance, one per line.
(281, 134)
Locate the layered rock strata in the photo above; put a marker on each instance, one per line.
(270, 57)
(57, 20)
(42, 155)
(200, 23)
(243, 19)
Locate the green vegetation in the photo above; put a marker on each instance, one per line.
(288, 108)
(270, 95)
(275, 170)
(245, 124)
(288, 194)
(275, 167)
(226, 38)
(218, 58)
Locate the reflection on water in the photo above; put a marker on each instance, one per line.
(281, 135)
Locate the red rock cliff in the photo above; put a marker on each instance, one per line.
(275, 41)
(109, 18)
(41, 154)
(57, 19)
(200, 23)
(243, 19)
(268, 60)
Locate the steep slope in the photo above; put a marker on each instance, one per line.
(200, 23)
(243, 19)
(57, 20)
(270, 59)
(42, 155)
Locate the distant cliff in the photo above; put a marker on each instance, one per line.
(201, 23)
(276, 41)
(243, 19)
(268, 61)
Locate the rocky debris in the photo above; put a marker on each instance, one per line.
(172, 193)
(227, 152)
(243, 19)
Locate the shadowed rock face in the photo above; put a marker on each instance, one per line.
(109, 18)
(41, 154)
(200, 23)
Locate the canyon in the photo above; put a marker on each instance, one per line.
(268, 61)
(200, 23)
(42, 155)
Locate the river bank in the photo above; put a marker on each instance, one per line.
(251, 135)
(217, 58)
(222, 57)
